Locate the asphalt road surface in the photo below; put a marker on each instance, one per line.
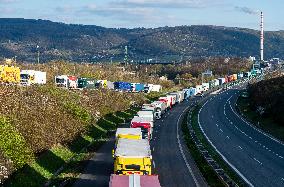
(171, 160)
(257, 157)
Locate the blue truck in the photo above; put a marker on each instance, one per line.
(122, 86)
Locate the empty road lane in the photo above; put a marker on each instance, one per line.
(253, 154)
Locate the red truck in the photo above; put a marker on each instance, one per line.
(134, 180)
(145, 124)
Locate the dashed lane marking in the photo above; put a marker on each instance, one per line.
(257, 161)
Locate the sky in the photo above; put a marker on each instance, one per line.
(150, 13)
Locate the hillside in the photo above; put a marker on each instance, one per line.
(267, 99)
(19, 37)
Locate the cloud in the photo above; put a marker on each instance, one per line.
(167, 4)
(246, 10)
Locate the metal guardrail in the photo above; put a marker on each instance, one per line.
(206, 155)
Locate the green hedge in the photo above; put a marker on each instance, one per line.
(13, 144)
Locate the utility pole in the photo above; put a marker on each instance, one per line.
(126, 56)
(37, 54)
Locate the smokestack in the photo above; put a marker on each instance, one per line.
(261, 36)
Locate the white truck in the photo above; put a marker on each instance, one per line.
(199, 89)
(152, 88)
(161, 107)
(205, 86)
(29, 77)
(147, 114)
(66, 81)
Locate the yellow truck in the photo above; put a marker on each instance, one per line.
(128, 133)
(132, 157)
(9, 73)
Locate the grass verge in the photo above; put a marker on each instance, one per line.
(63, 163)
(207, 171)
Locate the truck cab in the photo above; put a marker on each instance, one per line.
(132, 157)
(144, 124)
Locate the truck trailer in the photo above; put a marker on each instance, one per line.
(132, 157)
(86, 83)
(128, 133)
(66, 81)
(29, 77)
(9, 73)
(134, 181)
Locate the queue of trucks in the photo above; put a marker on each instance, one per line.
(73, 82)
(132, 152)
(11, 74)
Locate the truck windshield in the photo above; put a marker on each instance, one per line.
(133, 167)
(58, 80)
(24, 76)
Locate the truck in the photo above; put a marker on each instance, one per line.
(222, 80)
(110, 85)
(134, 181)
(161, 108)
(152, 88)
(150, 107)
(147, 114)
(205, 86)
(167, 101)
(66, 81)
(9, 73)
(247, 74)
(173, 98)
(128, 133)
(122, 86)
(235, 77)
(86, 83)
(240, 75)
(29, 77)
(145, 124)
(132, 157)
(199, 89)
(102, 83)
(137, 87)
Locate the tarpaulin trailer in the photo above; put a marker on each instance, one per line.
(134, 181)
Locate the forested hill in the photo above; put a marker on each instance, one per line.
(20, 37)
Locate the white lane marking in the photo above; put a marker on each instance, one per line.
(182, 153)
(212, 116)
(221, 130)
(227, 137)
(223, 157)
(240, 147)
(154, 164)
(217, 125)
(282, 179)
(153, 148)
(250, 137)
(281, 157)
(231, 122)
(257, 161)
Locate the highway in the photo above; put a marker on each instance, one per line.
(257, 157)
(171, 160)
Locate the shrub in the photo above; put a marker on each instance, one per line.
(13, 144)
